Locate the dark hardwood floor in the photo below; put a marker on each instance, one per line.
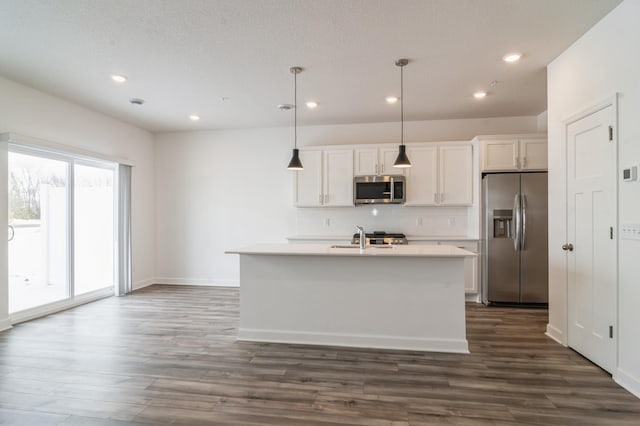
(168, 355)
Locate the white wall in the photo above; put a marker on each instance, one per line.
(35, 114)
(218, 190)
(602, 62)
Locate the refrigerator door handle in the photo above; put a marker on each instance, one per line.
(524, 221)
(516, 222)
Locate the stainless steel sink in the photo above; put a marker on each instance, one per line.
(355, 246)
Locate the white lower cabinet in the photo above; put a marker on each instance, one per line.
(471, 264)
(327, 178)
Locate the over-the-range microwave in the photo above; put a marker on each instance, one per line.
(389, 189)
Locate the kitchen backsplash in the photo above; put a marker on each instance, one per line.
(412, 221)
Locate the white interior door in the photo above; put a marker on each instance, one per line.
(591, 247)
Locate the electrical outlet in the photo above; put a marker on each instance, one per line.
(452, 221)
(419, 221)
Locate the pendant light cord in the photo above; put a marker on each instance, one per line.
(401, 107)
(295, 109)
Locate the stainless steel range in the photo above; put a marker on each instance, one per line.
(381, 237)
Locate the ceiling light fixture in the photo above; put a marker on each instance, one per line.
(194, 117)
(480, 95)
(391, 99)
(119, 78)
(312, 104)
(295, 163)
(512, 57)
(402, 161)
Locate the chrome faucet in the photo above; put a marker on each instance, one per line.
(363, 238)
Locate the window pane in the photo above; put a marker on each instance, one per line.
(37, 231)
(94, 229)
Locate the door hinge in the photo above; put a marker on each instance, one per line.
(610, 133)
(610, 332)
(611, 232)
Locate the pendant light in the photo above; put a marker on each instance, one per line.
(402, 161)
(295, 163)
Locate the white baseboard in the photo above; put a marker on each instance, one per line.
(555, 334)
(196, 281)
(5, 324)
(627, 381)
(141, 284)
(354, 340)
(472, 297)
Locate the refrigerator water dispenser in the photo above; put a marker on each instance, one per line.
(502, 223)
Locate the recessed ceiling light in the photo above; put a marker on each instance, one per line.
(194, 117)
(512, 57)
(480, 95)
(391, 99)
(119, 78)
(312, 104)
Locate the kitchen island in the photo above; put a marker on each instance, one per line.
(392, 297)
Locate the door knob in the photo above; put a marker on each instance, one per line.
(566, 247)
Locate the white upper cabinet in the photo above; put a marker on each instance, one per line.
(505, 153)
(366, 161)
(338, 178)
(440, 175)
(422, 176)
(455, 175)
(308, 188)
(376, 160)
(327, 178)
(533, 154)
(388, 155)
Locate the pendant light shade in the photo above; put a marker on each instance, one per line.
(295, 163)
(402, 161)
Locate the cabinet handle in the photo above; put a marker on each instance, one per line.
(326, 198)
(524, 162)
(441, 196)
(435, 197)
(382, 168)
(320, 199)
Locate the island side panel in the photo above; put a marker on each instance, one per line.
(414, 303)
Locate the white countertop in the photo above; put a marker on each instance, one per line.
(380, 251)
(409, 238)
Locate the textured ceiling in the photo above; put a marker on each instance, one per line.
(184, 56)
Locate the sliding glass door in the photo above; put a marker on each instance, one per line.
(93, 228)
(61, 229)
(38, 231)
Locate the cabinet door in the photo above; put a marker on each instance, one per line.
(500, 155)
(308, 189)
(338, 178)
(470, 265)
(533, 154)
(388, 156)
(456, 175)
(366, 161)
(422, 176)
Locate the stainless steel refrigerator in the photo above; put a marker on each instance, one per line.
(515, 242)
